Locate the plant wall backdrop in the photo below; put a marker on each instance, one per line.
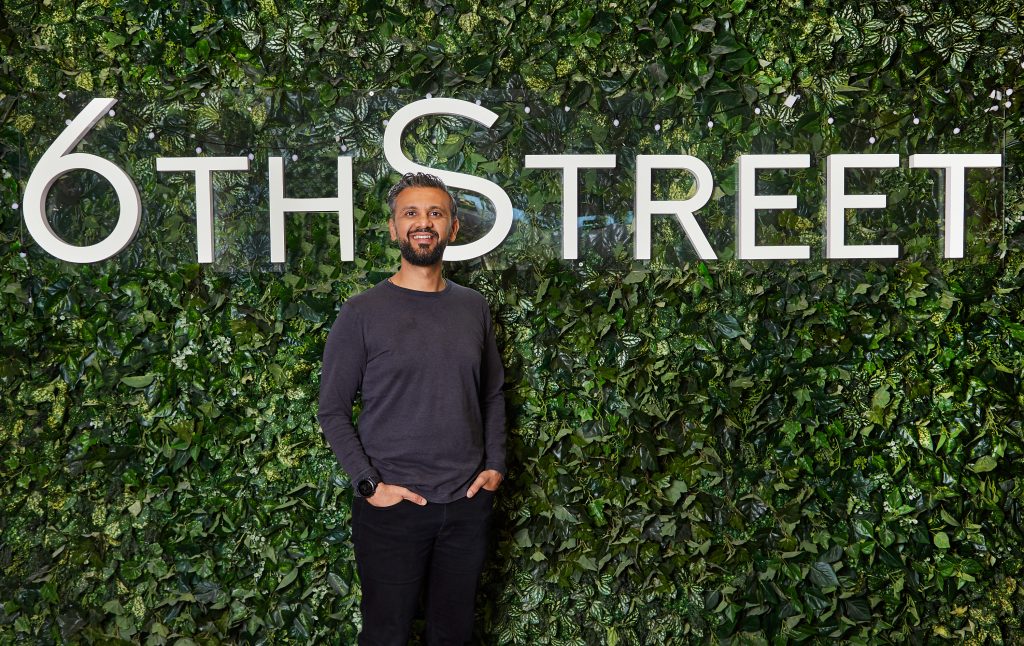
(700, 451)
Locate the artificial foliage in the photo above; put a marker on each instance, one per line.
(699, 451)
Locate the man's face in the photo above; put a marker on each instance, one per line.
(423, 225)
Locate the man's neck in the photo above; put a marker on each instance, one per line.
(420, 279)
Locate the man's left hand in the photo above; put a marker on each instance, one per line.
(489, 480)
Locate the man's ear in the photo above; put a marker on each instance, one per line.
(391, 228)
(455, 229)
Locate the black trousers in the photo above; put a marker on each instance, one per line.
(405, 549)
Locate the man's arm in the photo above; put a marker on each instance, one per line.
(492, 406)
(340, 381)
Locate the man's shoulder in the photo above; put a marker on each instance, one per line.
(365, 298)
(354, 308)
(467, 294)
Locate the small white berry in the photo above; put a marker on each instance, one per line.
(956, 130)
(657, 127)
(615, 123)
(831, 121)
(871, 139)
(199, 149)
(916, 121)
(110, 112)
(757, 110)
(711, 124)
(526, 109)
(295, 157)
(152, 135)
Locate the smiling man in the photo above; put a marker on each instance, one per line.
(428, 450)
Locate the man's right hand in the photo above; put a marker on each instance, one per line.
(387, 495)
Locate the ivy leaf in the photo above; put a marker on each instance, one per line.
(587, 563)
(677, 489)
(858, 609)
(941, 540)
(823, 576)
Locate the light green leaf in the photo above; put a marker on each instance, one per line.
(984, 464)
(287, 580)
(139, 381)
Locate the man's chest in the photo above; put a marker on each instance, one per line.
(425, 342)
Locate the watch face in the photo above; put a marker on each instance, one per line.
(366, 488)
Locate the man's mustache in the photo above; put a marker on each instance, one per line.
(422, 230)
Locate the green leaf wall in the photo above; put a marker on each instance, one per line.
(720, 451)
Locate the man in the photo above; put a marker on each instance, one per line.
(429, 449)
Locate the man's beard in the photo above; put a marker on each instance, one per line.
(419, 258)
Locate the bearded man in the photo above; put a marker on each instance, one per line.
(428, 451)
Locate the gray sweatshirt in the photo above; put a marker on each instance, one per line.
(427, 365)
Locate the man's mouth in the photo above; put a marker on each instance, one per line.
(424, 236)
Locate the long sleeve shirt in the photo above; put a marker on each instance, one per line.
(432, 413)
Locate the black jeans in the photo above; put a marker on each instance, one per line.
(402, 549)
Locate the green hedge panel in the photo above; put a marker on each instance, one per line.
(733, 451)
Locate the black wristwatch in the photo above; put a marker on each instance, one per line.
(367, 487)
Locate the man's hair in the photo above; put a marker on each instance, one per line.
(419, 180)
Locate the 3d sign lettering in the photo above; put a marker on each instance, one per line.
(59, 160)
